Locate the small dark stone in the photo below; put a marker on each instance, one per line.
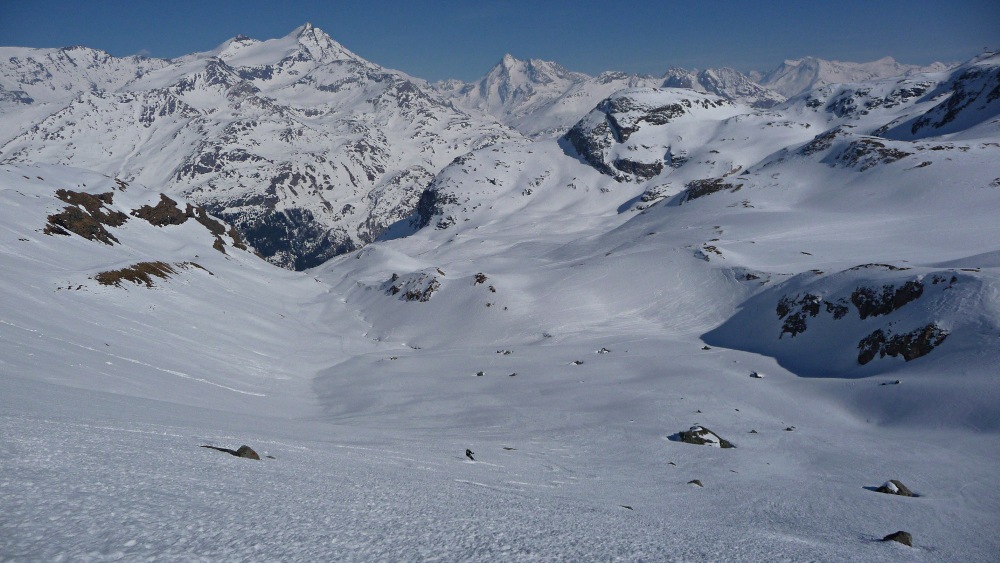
(695, 482)
(902, 537)
(790, 429)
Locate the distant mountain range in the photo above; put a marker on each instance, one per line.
(310, 150)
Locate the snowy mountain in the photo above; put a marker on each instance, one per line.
(538, 98)
(725, 83)
(796, 76)
(524, 361)
(543, 99)
(308, 149)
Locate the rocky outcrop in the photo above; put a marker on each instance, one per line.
(87, 215)
(910, 346)
(895, 487)
(701, 436)
(606, 137)
(701, 188)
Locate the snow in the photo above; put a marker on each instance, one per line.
(600, 301)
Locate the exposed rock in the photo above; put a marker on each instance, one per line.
(910, 346)
(247, 452)
(695, 482)
(872, 303)
(895, 487)
(701, 436)
(142, 273)
(244, 451)
(701, 188)
(164, 213)
(902, 537)
(86, 216)
(867, 153)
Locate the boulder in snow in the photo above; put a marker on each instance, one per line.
(699, 435)
(902, 537)
(895, 487)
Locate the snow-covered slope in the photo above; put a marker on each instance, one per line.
(509, 371)
(307, 148)
(796, 76)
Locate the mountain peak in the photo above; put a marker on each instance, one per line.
(319, 44)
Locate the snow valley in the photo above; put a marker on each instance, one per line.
(505, 320)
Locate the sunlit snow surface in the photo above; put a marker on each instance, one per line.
(609, 317)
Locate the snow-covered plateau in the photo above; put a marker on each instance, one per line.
(682, 325)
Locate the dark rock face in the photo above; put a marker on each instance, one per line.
(795, 310)
(867, 152)
(902, 537)
(910, 346)
(895, 487)
(290, 238)
(979, 85)
(641, 170)
(591, 144)
(702, 188)
(695, 482)
(432, 202)
(872, 303)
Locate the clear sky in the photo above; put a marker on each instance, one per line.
(463, 39)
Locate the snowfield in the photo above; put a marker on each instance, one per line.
(564, 308)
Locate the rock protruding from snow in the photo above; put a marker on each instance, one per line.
(895, 487)
(901, 536)
(701, 436)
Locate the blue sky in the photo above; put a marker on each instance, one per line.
(463, 39)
